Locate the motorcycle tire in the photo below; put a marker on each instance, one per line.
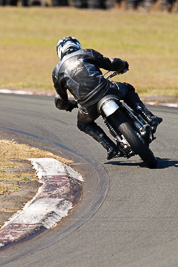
(133, 138)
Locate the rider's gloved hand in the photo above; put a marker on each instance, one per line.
(126, 67)
(71, 105)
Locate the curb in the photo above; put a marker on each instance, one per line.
(61, 189)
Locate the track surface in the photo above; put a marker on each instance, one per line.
(128, 214)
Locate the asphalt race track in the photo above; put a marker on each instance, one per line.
(128, 213)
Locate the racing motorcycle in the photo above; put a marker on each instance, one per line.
(130, 130)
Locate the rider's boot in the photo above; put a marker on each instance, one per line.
(133, 100)
(99, 135)
(153, 120)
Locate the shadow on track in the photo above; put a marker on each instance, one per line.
(162, 163)
(166, 163)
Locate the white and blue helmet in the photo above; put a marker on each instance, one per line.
(67, 45)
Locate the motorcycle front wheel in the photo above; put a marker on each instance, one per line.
(134, 139)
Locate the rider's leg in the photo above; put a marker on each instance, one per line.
(133, 100)
(87, 125)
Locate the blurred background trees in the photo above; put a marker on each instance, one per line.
(146, 5)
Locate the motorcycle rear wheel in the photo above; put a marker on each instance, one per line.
(133, 138)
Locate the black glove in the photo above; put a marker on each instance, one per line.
(126, 65)
(125, 68)
(71, 105)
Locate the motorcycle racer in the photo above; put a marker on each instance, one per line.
(79, 71)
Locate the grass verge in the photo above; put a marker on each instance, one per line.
(12, 160)
(147, 41)
(18, 182)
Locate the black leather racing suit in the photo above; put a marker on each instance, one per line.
(80, 73)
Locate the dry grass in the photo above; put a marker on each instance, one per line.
(10, 150)
(147, 40)
(13, 150)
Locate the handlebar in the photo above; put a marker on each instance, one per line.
(114, 73)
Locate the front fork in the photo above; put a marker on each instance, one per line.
(124, 147)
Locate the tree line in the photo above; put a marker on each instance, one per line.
(147, 5)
